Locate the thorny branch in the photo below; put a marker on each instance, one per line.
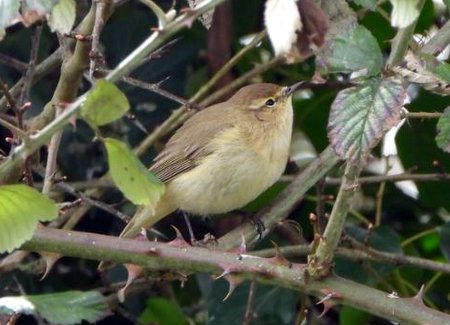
(164, 256)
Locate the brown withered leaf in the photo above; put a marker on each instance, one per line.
(315, 27)
(443, 131)
(426, 72)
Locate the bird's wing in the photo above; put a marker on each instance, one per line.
(190, 142)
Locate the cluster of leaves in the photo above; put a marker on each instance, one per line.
(358, 118)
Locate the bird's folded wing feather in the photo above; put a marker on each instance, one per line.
(191, 142)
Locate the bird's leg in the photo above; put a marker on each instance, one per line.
(189, 227)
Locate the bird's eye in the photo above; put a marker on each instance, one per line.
(270, 102)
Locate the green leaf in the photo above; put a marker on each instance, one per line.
(135, 181)
(385, 239)
(443, 131)
(71, 307)
(21, 207)
(382, 238)
(64, 308)
(361, 115)
(444, 240)
(104, 104)
(443, 71)
(62, 17)
(430, 243)
(404, 12)
(9, 12)
(163, 312)
(349, 315)
(272, 305)
(369, 4)
(354, 50)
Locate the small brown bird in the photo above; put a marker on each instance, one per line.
(224, 156)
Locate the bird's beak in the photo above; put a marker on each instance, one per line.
(291, 89)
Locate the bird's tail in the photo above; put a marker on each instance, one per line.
(145, 217)
(148, 216)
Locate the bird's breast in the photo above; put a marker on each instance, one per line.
(234, 174)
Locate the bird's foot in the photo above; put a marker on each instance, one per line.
(255, 221)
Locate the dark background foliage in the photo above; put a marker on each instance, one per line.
(188, 64)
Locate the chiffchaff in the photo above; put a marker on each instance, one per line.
(224, 156)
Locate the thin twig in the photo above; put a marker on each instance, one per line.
(155, 87)
(13, 63)
(417, 236)
(354, 213)
(358, 253)
(78, 213)
(85, 185)
(396, 178)
(98, 204)
(228, 66)
(52, 154)
(433, 281)
(8, 118)
(398, 259)
(8, 96)
(384, 178)
(45, 67)
(189, 227)
(14, 129)
(156, 54)
(380, 194)
(320, 206)
(103, 206)
(25, 92)
(102, 7)
(248, 315)
(421, 115)
(383, 13)
(28, 78)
